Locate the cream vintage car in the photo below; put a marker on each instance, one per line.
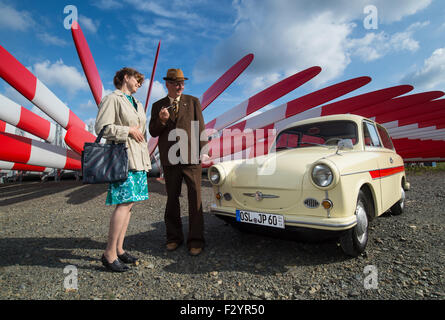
(331, 173)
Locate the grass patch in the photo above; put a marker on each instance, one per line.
(420, 168)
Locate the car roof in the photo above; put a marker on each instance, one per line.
(350, 117)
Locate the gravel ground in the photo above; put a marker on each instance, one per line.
(47, 228)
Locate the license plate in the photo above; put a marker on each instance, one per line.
(263, 219)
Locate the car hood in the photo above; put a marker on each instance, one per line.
(281, 170)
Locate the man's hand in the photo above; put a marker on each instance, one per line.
(136, 134)
(164, 115)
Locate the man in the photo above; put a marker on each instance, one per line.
(178, 122)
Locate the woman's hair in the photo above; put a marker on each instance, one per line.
(118, 79)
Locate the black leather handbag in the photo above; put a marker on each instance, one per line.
(104, 163)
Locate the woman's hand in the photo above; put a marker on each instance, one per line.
(136, 134)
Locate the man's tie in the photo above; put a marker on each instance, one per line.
(175, 106)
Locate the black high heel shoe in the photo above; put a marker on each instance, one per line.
(116, 266)
(127, 258)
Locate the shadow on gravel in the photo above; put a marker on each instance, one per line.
(16, 193)
(86, 192)
(46, 252)
(229, 249)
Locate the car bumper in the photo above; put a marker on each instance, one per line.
(322, 223)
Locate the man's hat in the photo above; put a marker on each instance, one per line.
(175, 75)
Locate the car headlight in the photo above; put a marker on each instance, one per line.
(214, 175)
(322, 175)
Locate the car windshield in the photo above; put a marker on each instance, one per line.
(327, 133)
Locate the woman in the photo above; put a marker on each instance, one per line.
(124, 118)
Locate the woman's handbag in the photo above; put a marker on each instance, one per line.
(104, 163)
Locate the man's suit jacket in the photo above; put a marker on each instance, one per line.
(189, 115)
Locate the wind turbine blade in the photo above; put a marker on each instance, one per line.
(22, 118)
(29, 151)
(19, 77)
(152, 75)
(87, 61)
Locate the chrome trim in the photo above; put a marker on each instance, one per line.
(337, 225)
(260, 196)
(286, 221)
(358, 172)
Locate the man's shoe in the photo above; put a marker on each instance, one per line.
(127, 258)
(195, 251)
(115, 266)
(172, 246)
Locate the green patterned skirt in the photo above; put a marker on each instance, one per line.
(133, 189)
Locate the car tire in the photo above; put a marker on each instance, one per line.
(397, 208)
(353, 241)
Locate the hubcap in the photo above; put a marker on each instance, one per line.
(402, 199)
(362, 222)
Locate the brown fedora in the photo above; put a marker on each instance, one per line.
(175, 75)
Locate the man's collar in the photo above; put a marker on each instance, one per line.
(172, 99)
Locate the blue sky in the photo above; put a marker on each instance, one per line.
(206, 37)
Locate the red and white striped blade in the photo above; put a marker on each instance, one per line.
(225, 80)
(406, 145)
(263, 98)
(434, 117)
(288, 112)
(411, 131)
(19, 77)
(28, 151)
(153, 71)
(76, 138)
(87, 61)
(301, 104)
(22, 118)
(354, 102)
(6, 165)
(413, 111)
(305, 107)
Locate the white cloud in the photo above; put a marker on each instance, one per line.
(288, 36)
(430, 75)
(108, 4)
(88, 24)
(88, 105)
(13, 19)
(376, 45)
(161, 10)
(158, 91)
(52, 40)
(59, 74)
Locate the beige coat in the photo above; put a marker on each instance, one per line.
(116, 111)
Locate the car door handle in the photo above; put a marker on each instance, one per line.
(391, 160)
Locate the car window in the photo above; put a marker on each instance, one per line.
(287, 140)
(370, 135)
(386, 139)
(318, 133)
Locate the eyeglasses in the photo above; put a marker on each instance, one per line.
(176, 83)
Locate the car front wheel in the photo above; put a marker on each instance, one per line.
(353, 241)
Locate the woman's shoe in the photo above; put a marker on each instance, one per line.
(127, 258)
(116, 266)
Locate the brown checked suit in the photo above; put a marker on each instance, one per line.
(182, 163)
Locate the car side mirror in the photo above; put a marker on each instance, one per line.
(345, 144)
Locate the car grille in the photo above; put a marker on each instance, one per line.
(311, 203)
